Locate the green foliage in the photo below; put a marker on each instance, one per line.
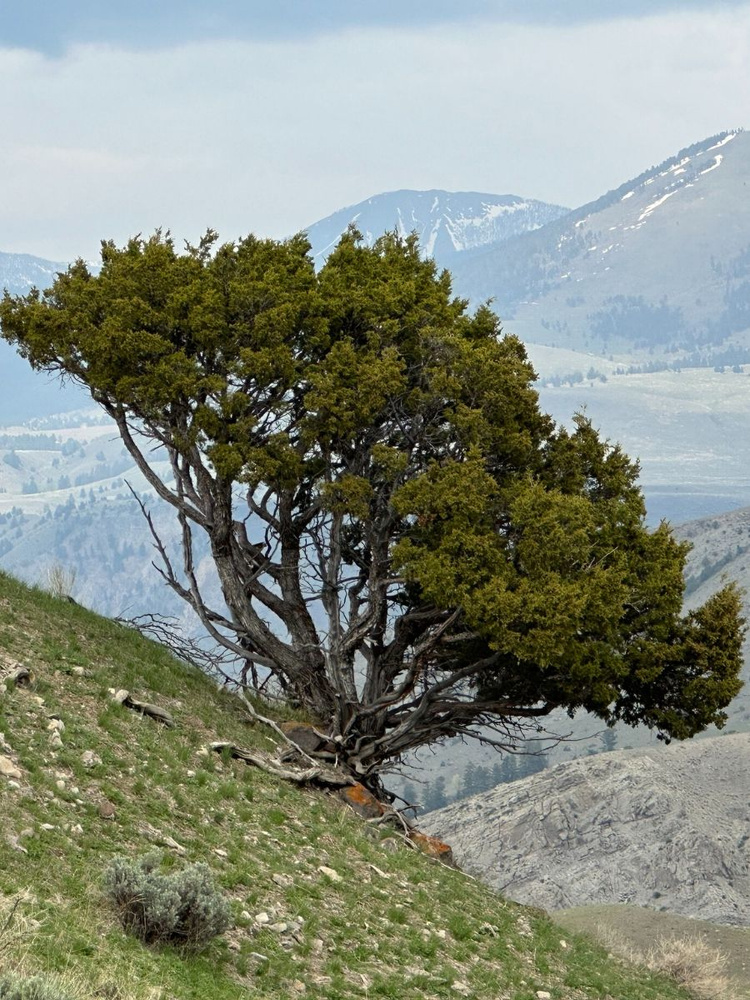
(17, 987)
(410, 492)
(181, 908)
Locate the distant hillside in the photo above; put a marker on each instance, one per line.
(662, 262)
(323, 904)
(664, 827)
(26, 393)
(449, 223)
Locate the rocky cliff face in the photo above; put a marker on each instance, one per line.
(666, 828)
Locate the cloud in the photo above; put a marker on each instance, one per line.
(51, 27)
(269, 136)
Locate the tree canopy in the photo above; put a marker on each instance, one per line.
(409, 545)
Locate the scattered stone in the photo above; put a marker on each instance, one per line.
(330, 873)
(460, 987)
(563, 944)
(283, 880)
(442, 934)
(317, 946)
(279, 927)
(258, 957)
(190, 774)
(77, 671)
(76, 829)
(107, 810)
(490, 929)
(378, 871)
(362, 801)
(432, 847)
(55, 740)
(13, 784)
(262, 918)
(298, 986)
(56, 723)
(246, 915)
(8, 769)
(90, 759)
(60, 784)
(37, 699)
(389, 844)
(303, 735)
(543, 995)
(47, 826)
(220, 852)
(171, 842)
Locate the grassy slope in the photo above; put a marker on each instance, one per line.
(639, 928)
(396, 925)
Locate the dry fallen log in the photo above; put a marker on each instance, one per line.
(325, 777)
(18, 675)
(145, 708)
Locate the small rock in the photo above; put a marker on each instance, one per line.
(389, 844)
(543, 995)
(8, 769)
(245, 915)
(37, 699)
(262, 918)
(298, 986)
(107, 810)
(330, 873)
(77, 829)
(13, 841)
(56, 724)
(90, 759)
(60, 784)
(279, 927)
(221, 852)
(55, 740)
(258, 957)
(77, 671)
(118, 696)
(442, 934)
(47, 826)
(190, 774)
(234, 946)
(563, 944)
(362, 801)
(317, 946)
(283, 880)
(460, 987)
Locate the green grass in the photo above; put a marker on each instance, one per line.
(397, 925)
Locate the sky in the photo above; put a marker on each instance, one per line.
(266, 115)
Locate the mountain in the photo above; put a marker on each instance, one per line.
(664, 827)
(449, 223)
(25, 393)
(323, 904)
(661, 264)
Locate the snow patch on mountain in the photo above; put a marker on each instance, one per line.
(447, 223)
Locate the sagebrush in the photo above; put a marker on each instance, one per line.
(183, 908)
(17, 987)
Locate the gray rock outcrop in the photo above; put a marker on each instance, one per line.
(667, 827)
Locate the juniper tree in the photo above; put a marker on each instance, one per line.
(402, 537)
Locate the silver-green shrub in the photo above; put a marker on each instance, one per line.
(182, 908)
(16, 987)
